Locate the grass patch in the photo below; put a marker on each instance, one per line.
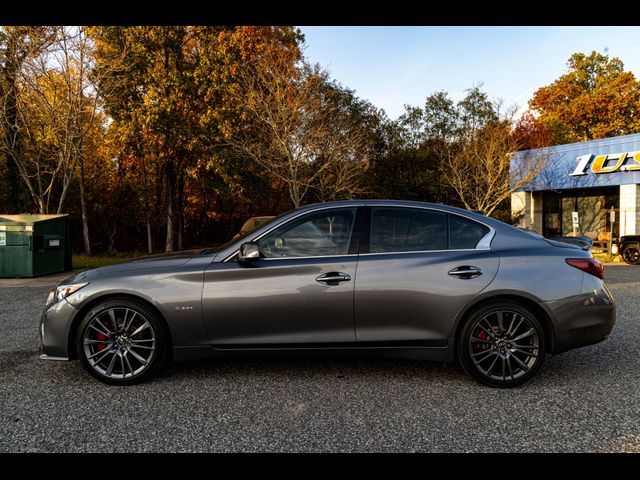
(81, 261)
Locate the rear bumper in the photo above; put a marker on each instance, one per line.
(588, 320)
(55, 327)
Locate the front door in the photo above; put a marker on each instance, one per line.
(421, 268)
(299, 292)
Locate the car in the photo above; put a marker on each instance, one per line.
(362, 277)
(251, 224)
(629, 248)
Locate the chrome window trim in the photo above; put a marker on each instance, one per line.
(302, 258)
(484, 244)
(421, 251)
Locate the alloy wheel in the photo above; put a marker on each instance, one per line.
(119, 343)
(504, 345)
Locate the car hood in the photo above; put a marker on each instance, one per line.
(156, 261)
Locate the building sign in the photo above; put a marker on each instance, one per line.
(613, 162)
(3, 239)
(607, 162)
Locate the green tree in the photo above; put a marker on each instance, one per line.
(456, 152)
(596, 98)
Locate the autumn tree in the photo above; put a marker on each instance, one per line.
(416, 144)
(170, 97)
(480, 170)
(301, 127)
(476, 161)
(18, 46)
(456, 152)
(60, 82)
(147, 93)
(48, 108)
(596, 98)
(531, 133)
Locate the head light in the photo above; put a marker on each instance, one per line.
(63, 291)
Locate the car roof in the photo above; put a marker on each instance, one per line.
(397, 203)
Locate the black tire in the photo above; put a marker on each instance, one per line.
(97, 337)
(490, 355)
(631, 254)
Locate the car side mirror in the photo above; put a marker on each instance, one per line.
(249, 252)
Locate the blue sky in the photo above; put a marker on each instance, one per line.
(392, 66)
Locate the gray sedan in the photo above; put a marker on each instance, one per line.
(370, 277)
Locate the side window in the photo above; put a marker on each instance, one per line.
(323, 233)
(465, 233)
(407, 230)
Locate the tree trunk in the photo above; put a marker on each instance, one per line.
(180, 211)
(294, 193)
(83, 209)
(112, 238)
(149, 240)
(13, 187)
(12, 138)
(171, 183)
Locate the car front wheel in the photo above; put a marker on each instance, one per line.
(502, 344)
(121, 342)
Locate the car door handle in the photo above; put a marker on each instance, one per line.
(333, 278)
(465, 272)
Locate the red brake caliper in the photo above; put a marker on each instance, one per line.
(101, 336)
(482, 336)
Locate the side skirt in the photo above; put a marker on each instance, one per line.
(413, 351)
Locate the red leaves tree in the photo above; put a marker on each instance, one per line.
(597, 98)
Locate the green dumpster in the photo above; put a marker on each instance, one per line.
(34, 245)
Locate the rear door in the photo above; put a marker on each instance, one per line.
(421, 267)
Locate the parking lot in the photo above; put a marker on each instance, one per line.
(583, 400)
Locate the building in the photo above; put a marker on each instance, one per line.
(588, 188)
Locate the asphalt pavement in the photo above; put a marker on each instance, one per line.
(586, 400)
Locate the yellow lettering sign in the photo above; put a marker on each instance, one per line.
(600, 160)
(623, 162)
(635, 165)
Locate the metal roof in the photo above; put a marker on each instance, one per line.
(28, 218)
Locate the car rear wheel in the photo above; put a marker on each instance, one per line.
(502, 344)
(121, 342)
(631, 254)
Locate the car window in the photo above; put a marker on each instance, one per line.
(407, 230)
(465, 233)
(323, 233)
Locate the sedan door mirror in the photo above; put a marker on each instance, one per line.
(249, 252)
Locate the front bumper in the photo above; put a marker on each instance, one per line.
(55, 327)
(55, 359)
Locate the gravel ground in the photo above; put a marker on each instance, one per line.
(583, 400)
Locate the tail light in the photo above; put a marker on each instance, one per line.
(589, 265)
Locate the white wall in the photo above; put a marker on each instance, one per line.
(629, 209)
(529, 203)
